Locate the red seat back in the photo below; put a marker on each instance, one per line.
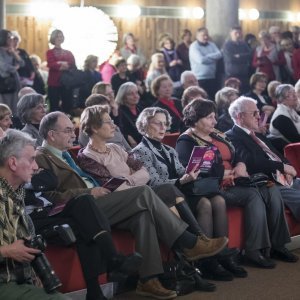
(170, 139)
(292, 153)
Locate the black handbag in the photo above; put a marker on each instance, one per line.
(204, 186)
(8, 84)
(255, 180)
(72, 78)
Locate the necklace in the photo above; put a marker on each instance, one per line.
(107, 150)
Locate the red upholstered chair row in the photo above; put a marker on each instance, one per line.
(170, 139)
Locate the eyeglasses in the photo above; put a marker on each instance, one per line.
(255, 113)
(110, 122)
(41, 106)
(66, 131)
(160, 124)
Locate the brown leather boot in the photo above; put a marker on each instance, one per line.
(205, 247)
(153, 288)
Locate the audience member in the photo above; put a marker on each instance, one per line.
(164, 167)
(118, 138)
(275, 35)
(260, 156)
(26, 72)
(183, 49)
(137, 209)
(224, 98)
(17, 165)
(172, 62)
(237, 58)
(130, 47)
(31, 110)
(10, 62)
(192, 93)
(162, 89)
(234, 83)
(108, 69)
(265, 224)
(157, 67)
(258, 84)
(121, 76)
(187, 79)
(296, 34)
(204, 55)
(272, 85)
(287, 71)
(128, 99)
(5, 117)
(267, 57)
(59, 60)
(285, 122)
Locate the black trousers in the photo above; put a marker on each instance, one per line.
(55, 94)
(86, 220)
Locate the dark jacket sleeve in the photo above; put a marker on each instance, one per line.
(253, 156)
(286, 127)
(184, 148)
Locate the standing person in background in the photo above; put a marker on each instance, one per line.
(10, 62)
(121, 76)
(130, 47)
(183, 49)
(204, 55)
(25, 72)
(172, 61)
(275, 34)
(108, 69)
(59, 60)
(237, 58)
(39, 81)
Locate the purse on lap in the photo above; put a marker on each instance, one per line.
(255, 180)
(204, 186)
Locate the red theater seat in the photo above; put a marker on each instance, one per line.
(292, 153)
(170, 139)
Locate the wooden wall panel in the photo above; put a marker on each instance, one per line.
(34, 32)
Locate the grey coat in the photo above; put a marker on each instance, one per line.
(33, 132)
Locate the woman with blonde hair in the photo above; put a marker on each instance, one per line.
(157, 67)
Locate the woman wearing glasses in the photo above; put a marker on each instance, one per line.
(262, 206)
(164, 167)
(31, 110)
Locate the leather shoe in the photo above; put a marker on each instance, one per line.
(259, 260)
(231, 265)
(203, 285)
(211, 269)
(153, 288)
(284, 254)
(205, 247)
(121, 266)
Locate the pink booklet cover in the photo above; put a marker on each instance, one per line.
(202, 155)
(113, 183)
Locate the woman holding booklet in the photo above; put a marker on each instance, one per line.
(265, 225)
(163, 165)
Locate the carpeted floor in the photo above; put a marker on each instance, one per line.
(281, 283)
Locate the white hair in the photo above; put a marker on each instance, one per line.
(184, 75)
(238, 106)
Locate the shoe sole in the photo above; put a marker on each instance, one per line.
(204, 255)
(146, 294)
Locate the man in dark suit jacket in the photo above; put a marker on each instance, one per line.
(259, 155)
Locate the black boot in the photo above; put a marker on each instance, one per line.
(211, 269)
(230, 263)
(187, 216)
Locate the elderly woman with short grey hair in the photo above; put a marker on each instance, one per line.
(285, 122)
(128, 99)
(31, 108)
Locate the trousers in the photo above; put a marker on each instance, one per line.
(142, 212)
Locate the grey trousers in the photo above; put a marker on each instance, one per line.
(142, 212)
(265, 223)
(291, 197)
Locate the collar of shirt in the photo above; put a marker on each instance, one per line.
(244, 129)
(53, 150)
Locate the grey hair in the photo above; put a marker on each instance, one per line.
(147, 114)
(123, 91)
(26, 105)
(54, 35)
(134, 60)
(13, 143)
(48, 123)
(237, 106)
(222, 96)
(185, 74)
(281, 92)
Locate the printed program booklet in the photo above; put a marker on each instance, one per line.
(113, 183)
(202, 155)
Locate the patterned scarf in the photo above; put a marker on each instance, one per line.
(13, 221)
